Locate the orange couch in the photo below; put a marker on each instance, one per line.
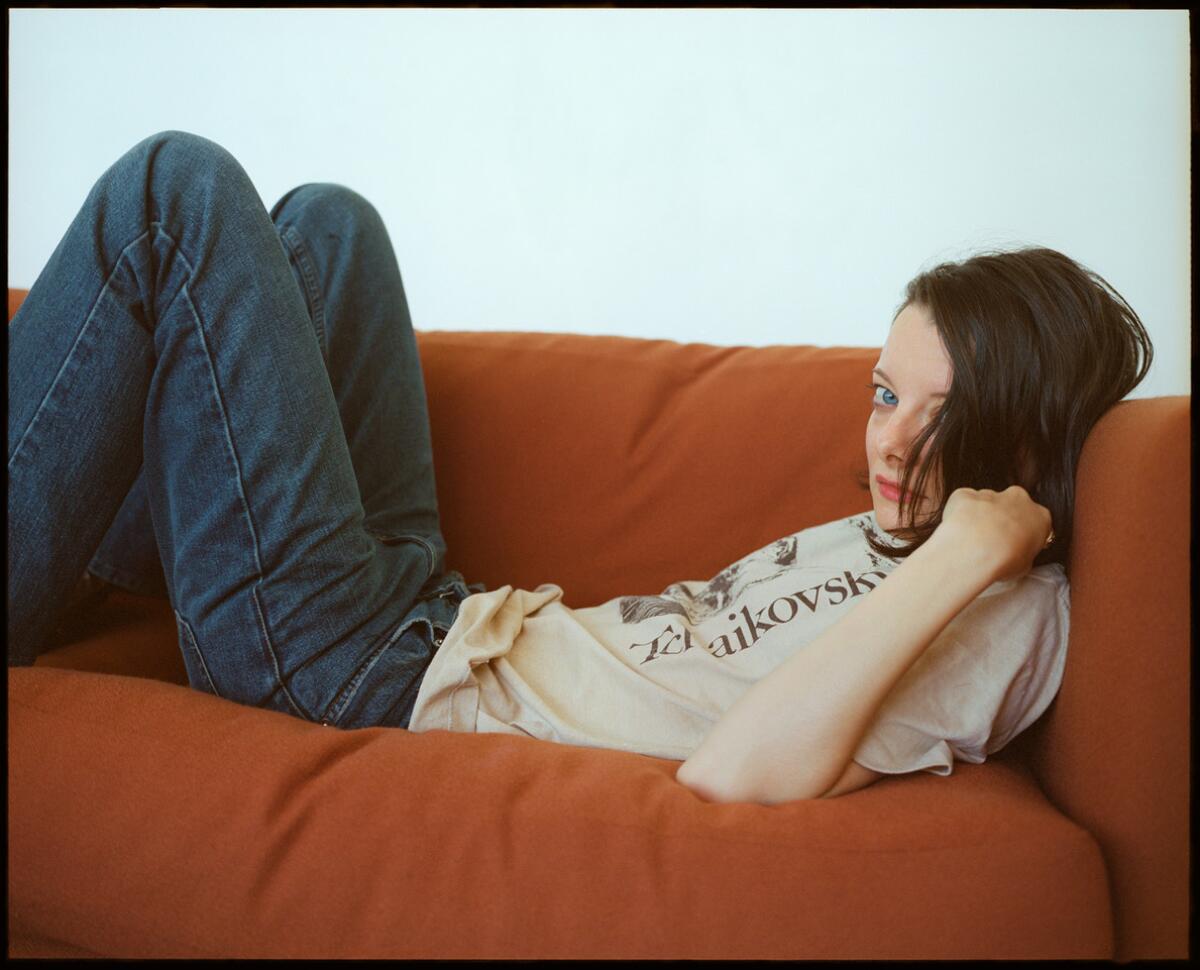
(150, 820)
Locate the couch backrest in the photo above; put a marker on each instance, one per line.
(611, 466)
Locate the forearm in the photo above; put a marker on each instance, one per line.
(792, 734)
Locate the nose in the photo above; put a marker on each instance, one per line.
(897, 436)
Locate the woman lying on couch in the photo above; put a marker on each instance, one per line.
(225, 406)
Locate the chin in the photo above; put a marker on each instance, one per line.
(887, 520)
(887, 516)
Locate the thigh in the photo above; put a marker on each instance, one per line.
(345, 268)
(344, 264)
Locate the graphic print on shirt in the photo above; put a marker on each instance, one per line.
(723, 589)
(733, 586)
(864, 526)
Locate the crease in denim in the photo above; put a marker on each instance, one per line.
(262, 622)
(359, 676)
(295, 244)
(70, 353)
(191, 270)
(239, 478)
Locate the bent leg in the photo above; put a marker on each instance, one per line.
(344, 264)
(345, 267)
(167, 331)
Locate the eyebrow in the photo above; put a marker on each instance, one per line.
(883, 374)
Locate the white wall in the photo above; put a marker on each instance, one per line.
(728, 176)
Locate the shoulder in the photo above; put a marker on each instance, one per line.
(1032, 612)
(1051, 584)
(1047, 582)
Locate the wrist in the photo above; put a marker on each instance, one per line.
(962, 556)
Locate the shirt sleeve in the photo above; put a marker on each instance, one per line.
(988, 676)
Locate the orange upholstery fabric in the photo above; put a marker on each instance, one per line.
(150, 820)
(1114, 752)
(613, 466)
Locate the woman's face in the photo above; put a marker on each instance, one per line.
(912, 379)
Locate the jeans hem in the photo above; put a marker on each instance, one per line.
(127, 581)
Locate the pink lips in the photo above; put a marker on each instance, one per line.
(890, 490)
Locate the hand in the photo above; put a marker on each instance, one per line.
(1006, 529)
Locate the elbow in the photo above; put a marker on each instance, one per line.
(709, 785)
(730, 787)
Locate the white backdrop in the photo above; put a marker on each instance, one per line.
(726, 176)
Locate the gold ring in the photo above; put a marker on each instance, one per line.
(1049, 538)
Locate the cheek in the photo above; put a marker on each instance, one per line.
(872, 433)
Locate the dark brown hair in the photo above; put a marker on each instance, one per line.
(1040, 349)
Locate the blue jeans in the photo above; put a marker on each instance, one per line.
(225, 406)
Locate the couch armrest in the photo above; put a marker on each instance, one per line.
(1113, 751)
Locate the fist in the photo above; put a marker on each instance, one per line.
(1005, 529)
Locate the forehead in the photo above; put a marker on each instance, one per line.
(913, 354)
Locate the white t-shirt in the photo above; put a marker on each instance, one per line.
(653, 674)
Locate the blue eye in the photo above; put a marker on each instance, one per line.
(886, 393)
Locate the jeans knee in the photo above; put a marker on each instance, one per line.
(319, 209)
(180, 162)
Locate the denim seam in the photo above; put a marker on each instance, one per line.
(388, 538)
(295, 244)
(240, 486)
(191, 272)
(262, 623)
(190, 637)
(429, 554)
(71, 353)
(414, 686)
(350, 689)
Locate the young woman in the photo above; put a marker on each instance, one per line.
(225, 406)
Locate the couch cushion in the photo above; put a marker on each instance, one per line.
(150, 820)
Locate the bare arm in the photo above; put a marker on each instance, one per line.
(792, 735)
